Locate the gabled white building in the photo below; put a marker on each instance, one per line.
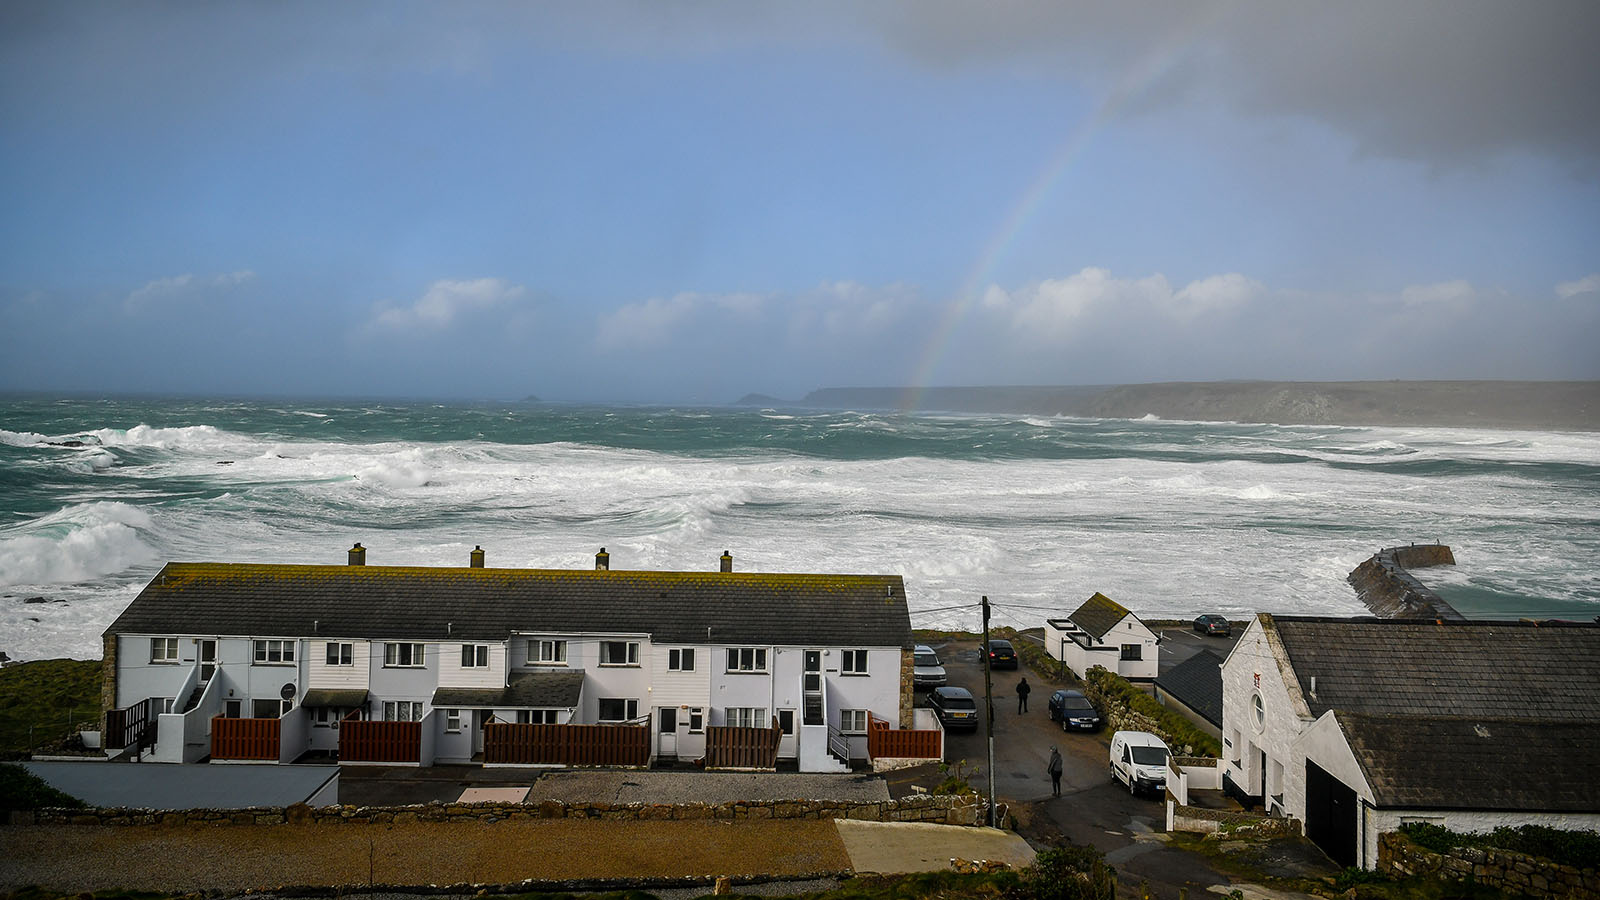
(316, 648)
(1102, 632)
(1358, 726)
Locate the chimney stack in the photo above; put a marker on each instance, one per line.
(727, 561)
(602, 561)
(477, 557)
(358, 555)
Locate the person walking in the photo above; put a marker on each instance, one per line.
(1022, 695)
(1054, 768)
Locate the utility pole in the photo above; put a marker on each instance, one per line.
(988, 705)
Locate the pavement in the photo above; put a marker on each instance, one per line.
(400, 786)
(892, 848)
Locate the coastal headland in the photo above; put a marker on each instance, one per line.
(1532, 405)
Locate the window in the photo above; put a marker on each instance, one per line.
(536, 717)
(619, 653)
(402, 710)
(854, 662)
(748, 717)
(1132, 651)
(452, 720)
(326, 717)
(680, 660)
(164, 650)
(853, 721)
(697, 720)
(747, 659)
(547, 653)
(266, 709)
(403, 655)
(618, 710)
(474, 656)
(274, 653)
(232, 709)
(786, 721)
(1260, 711)
(340, 654)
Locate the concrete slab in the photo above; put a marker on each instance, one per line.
(164, 786)
(494, 795)
(887, 848)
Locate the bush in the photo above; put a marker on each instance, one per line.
(1173, 728)
(1569, 848)
(1069, 873)
(21, 789)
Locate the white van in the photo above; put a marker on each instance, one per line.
(1139, 760)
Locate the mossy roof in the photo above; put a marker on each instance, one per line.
(450, 603)
(1098, 615)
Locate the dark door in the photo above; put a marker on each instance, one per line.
(1330, 815)
(208, 659)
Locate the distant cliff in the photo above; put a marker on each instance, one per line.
(1536, 405)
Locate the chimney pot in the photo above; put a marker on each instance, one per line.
(602, 561)
(358, 555)
(477, 557)
(727, 561)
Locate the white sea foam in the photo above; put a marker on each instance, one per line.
(75, 544)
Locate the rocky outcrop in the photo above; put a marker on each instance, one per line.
(1391, 592)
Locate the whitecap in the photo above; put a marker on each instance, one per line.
(78, 543)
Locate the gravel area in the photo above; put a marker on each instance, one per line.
(579, 785)
(238, 858)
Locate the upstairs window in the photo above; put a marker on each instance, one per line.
(273, 653)
(680, 660)
(747, 659)
(619, 653)
(474, 656)
(854, 662)
(547, 653)
(164, 650)
(1132, 651)
(341, 654)
(403, 655)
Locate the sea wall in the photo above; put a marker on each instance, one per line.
(1391, 592)
(943, 809)
(1514, 873)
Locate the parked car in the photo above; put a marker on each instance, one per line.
(1211, 623)
(1139, 760)
(927, 671)
(956, 709)
(1002, 655)
(1073, 710)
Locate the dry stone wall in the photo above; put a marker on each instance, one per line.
(1514, 873)
(1231, 823)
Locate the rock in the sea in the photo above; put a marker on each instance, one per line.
(33, 600)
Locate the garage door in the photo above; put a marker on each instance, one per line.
(1330, 815)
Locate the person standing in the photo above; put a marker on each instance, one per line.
(1022, 695)
(1054, 768)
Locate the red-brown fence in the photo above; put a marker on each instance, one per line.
(385, 742)
(132, 725)
(566, 745)
(245, 738)
(884, 742)
(742, 748)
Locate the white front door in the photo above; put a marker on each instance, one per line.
(667, 731)
(480, 718)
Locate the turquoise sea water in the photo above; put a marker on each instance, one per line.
(1170, 518)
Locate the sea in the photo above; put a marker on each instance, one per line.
(1169, 518)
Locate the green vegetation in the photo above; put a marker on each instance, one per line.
(43, 702)
(21, 789)
(1106, 687)
(957, 780)
(1069, 873)
(1569, 848)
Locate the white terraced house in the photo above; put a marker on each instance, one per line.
(417, 665)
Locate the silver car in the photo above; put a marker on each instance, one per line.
(927, 671)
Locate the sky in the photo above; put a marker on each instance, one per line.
(678, 202)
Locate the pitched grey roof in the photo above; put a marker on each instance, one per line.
(1388, 667)
(1477, 763)
(445, 603)
(1197, 683)
(1098, 615)
(531, 690)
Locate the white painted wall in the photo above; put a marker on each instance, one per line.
(1252, 669)
(356, 676)
(403, 682)
(1132, 631)
(453, 674)
(676, 688)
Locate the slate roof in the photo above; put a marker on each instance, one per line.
(464, 604)
(1197, 683)
(1389, 667)
(1421, 762)
(531, 690)
(1098, 615)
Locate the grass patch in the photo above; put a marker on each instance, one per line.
(21, 789)
(46, 699)
(1108, 688)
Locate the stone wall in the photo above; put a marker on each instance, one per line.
(908, 682)
(1230, 823)
(1387, 589)
(1100, 688)
(940, 809)
(1514, 873)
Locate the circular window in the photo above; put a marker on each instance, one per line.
(1261, 711)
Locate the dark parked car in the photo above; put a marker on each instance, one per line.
(956, 709)
(1073, 710)
(1002, 655)
(1211, 623)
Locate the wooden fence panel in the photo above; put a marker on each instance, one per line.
(742, 748)
(132, 725)
(566, 745)
(884, 742)
(245, 738)
(387, 742)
